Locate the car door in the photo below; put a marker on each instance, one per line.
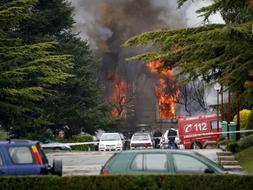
(23, 162)
(3, 167)
(184, 163)
(147, 163)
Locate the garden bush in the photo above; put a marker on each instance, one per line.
(79, 138)
(133, 182)
(246, 142)
(249, 124)
(233, 146)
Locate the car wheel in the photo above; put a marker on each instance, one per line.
(196, 145)
(57, 167)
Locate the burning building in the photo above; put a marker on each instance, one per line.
(140, 93)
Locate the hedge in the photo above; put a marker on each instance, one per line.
(133, 182)
(79, 138)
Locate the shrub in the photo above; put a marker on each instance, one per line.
(233, 147)
(133, 182)
(79, 138)
(246, 142)
(244, 115)
(249, 124)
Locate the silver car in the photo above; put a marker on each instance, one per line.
(141, 140)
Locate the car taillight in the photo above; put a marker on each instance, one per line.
(104, 172)
(36, 155)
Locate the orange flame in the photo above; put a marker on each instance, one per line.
(118, 99)
(166, 100)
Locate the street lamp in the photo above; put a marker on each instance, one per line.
(217, 87)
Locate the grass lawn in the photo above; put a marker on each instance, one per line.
(245, 159)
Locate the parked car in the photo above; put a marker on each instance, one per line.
(55, 145)
(164, 140)
(24, 157)
(110, 142)
(158, 161)
(141, 140)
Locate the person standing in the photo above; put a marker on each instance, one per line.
(157, 136)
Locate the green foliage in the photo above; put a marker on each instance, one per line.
(236, 11)
(39, 88)
(28, 71)
(212, 52)
(249, 124)
(244, 116)
(134, 182)
(79, 138)
(78, 103)
(245, 159)
(233, 146)
(49, 18)
(246, 142)
(222, 141)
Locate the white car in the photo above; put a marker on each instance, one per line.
(164, 140)
(110, 142)
(55, 146)
(141, 140)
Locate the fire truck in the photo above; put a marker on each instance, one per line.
(199, 131)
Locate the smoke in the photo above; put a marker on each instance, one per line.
(106, 24)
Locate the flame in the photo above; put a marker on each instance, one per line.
(166, 90)
(118, 99)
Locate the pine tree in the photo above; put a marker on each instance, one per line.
(77, 104)
(216, 52)
(28, 71)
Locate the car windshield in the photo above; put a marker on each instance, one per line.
(110, 137)
(140, 137)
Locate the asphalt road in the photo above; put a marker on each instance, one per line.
(81, 163)
(90, 163)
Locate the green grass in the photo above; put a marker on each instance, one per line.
(3, 134)
(245, 159)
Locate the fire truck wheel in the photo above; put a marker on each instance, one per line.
(196, 145)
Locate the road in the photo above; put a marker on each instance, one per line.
(90, 163)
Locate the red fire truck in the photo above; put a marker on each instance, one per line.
(197, 132)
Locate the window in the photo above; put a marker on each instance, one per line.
(137, 164)
(155, 162)
(110, 137)
(214, 124)
(188, 164)
(21, 155)
(1, 160)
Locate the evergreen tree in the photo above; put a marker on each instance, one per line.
(28, 71)
(77, 104)
(216, 52)
(232, 11)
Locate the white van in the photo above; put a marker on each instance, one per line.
(110, 142)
